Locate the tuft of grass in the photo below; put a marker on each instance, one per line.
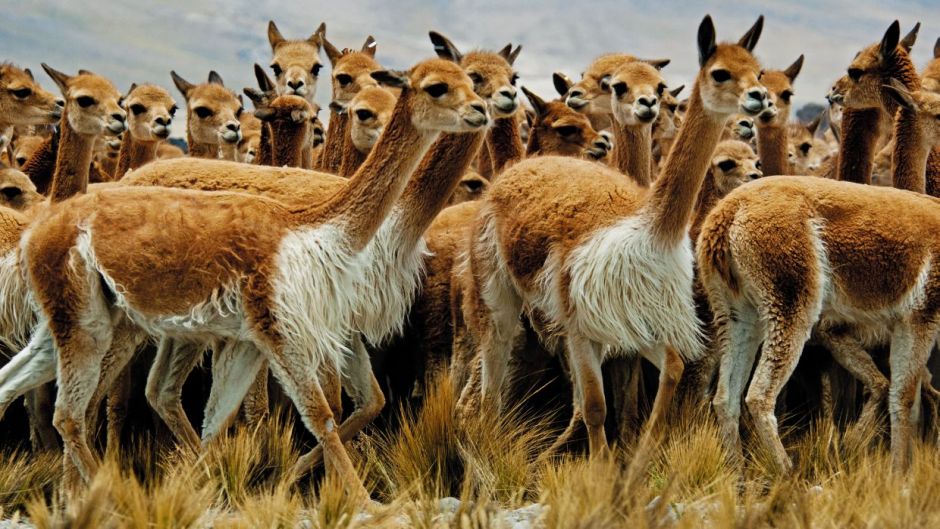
(25, 477)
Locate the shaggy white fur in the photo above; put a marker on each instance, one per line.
(16, 312)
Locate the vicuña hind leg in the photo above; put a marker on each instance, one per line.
(910, 349)
(737, 342)
(30, 368)
(848, 352)
(235, 367)
(367, 397)
(585, 358)
(174, 361)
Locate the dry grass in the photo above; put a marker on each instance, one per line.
(491, 464)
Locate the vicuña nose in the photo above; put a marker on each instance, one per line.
(118, 116)
(646, 101)
(295, 84)
(479, 107)
(59, 102)
(506, 92)
(160, 120)
(757, 93)
(754, 176)
(233, 127)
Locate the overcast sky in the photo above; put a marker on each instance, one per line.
(141, 41)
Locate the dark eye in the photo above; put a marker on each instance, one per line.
(475, 77)
(436, 90)
(22, 93)
(673, 107)
(315, 71)
(276, 68)
(364, 115)
(566, 130)
(721, 75)
(173, 110)
(343, 79)
(757, 164)
(515, 79)
(805, 147)
(620, 88)
(660, 89)
(138, 109)
(85, 101)
(238, 112)
(855, 74)
(202, 112)
(21, 160)
(786, 95)
(727, 165)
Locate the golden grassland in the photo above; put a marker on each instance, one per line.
(492, 464)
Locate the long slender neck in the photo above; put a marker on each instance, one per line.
(859, 141)
(433, 183)
(366, 200)
(352, 159)
(707, 198)
(41, 164)
(674, 193)
(72, 162)
(933, 172)
(505, 143)
(332, 155)
(265, 150)
(772, 148)
(484, 162)
(911, 149)
(288, 140)
(133, 154)
(634, 151)
(199, 150)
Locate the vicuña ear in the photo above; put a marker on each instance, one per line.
(899, 93)
(132, 88)
(706, 40)
(515, 54)
(317, 37)
(814, 125)
(562, 83)
(908, 41)
(256, 96)
(749, 40)
(264, 113)
(332, 53)
(659, 64)
(182, 85)
(538, 104)
(889, 43)
(264, 82)
(274, 36)
(369, 46)
(444, 48)
(30, 72)
(60, 78)
(393, 78)
(85, 72)
(676, 91)
(215, 78)
(794, 69)
(936, 49)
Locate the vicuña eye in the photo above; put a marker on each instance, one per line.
(138, 109)
(786, 95)
(276, 68)
(721, 75)
(202, 112)
(343, 79)
(436, 90)
(621, 88)
(727, 165)
(364, 114)
(22, 93)
(566, 130)
(315, 71)
(805, 147)
(85, 101)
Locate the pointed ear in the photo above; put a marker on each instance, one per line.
(794, 69)
(504, 53)
(240, 100)
(274, 35)
(562, 83)
(908, 41)
(182, 85)
(444, 48)
(706, 40)
(131, 89)
(538, 104)
(264, 82)
(60, 78)
(515, 54)
(256, 96)
(659, 64)
(749, 40)
(899, 93)
(936, 49)
(369, 46)
(331, 52)
(676, 91)
(29, 72)
(215, 78)
(264, 114)
(85, 72)
(813, 125)
(889, 43)
(392, 78)
(317, 37)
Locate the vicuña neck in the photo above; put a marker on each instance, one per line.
(72, 162)
(332, 155)
(352, 159)
(860, 131)
(505, 143)
(199, 150)
(41, 164)
(911, 150)
(133, 154)
(265, 150)
(674, 193)
(633, 151)
(772, 148)
(288, 140)
(433, 183)
(367, 198)
(707, 198)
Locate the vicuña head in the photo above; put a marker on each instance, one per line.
(779, 85)
(728, 81)
(369, 111)
(930, 78)
(558, 129)
(863, 86)
(591, 94)
(351, 69)
(16, 190)
(24, 147)
(23, 101)
(150, 112)
(493, 76)
(92, 103)
(212, 110)
(296, 63)
(636, 91)
(734, 164)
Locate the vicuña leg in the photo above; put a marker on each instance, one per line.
(737, 342)
(235, 366)
(174, 361)
(848, 352)
(585, 358)
(30, 368)
(910, 349)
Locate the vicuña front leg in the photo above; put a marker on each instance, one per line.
(585, 357)
(174, 361)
